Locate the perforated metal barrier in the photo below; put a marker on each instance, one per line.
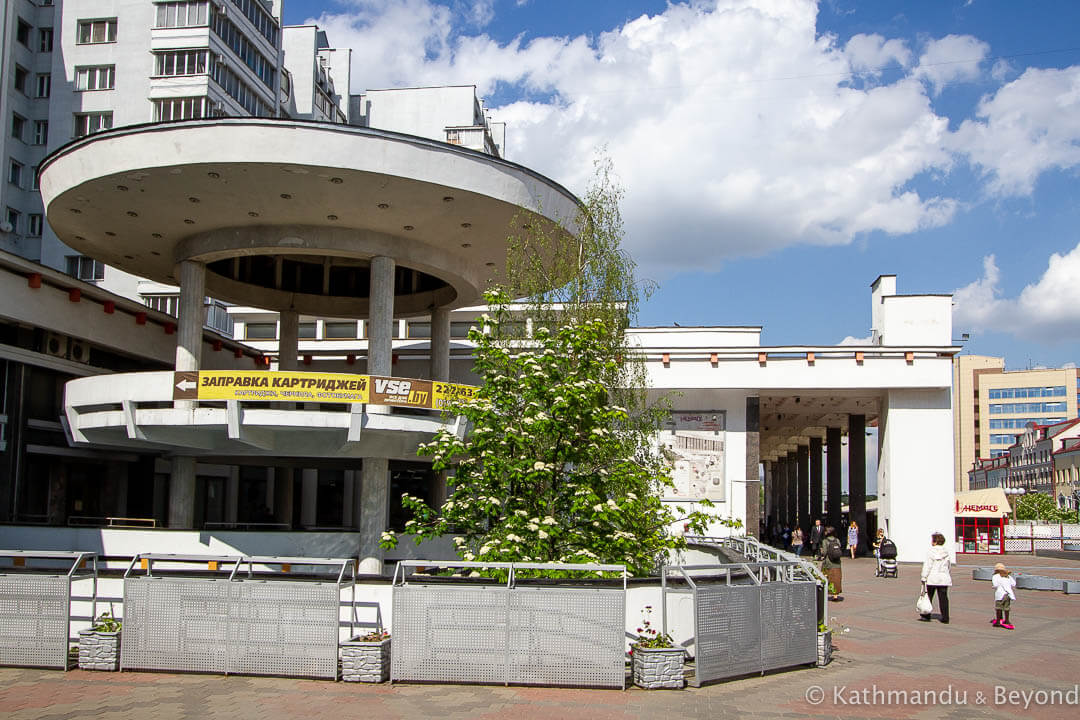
(35, 607)
(564, 636)
(763, 620)
(234, 624)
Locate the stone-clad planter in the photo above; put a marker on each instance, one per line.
(656, 668)
(99, 650)
(824, 648)
(365, 661)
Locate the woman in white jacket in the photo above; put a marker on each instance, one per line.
(936, 578)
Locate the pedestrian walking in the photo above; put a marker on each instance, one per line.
(797, 541)
(1004, 585)
(830, 563)
(853, 538)
(936, 576)
(817, 534)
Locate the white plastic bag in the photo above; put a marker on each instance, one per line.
(923, 605)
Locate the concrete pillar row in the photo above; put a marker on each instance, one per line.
(375, 473)
(792, 489)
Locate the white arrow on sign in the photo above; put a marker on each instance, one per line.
(185, 385)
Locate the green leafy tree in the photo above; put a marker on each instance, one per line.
(1037, 507)
(544, 475)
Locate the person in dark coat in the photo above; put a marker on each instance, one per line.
(831, 553)
(817, 534)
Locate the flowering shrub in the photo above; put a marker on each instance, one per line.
(545, 473)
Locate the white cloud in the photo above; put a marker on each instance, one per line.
(953, 58)
(735, 126)
(1029, 126)
(1047, 310)
(871, 53)
(850, 340)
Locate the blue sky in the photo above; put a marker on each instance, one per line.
(778, 155)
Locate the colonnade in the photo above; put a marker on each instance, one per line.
(371, 504)
(796, 494)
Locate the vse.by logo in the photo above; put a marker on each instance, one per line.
(401, 388)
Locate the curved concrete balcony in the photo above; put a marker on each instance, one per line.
(136, 410)
(288, 214)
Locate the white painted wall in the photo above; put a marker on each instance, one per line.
(916, 320)
(915, 489)
(426, 112)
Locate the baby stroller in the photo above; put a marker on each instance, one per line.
(886, 559)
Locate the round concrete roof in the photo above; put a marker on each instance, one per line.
(287, 214)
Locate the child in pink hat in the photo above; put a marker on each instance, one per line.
(1003, 584)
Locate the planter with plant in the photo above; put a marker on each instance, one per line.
(825, 640)
(366, 658)
(655, 660)
(99, 647)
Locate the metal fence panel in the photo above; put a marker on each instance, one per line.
(728, 638)
(284, 628)
(567, 637)
(34, 613)
(448, 633)
(175, 624)
(788, 624)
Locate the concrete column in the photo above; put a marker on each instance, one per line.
(815, 480)
(753, 460)
(182, 493)
(309, 498)
(781, 491)
(857, 476)
(190, 323)
(440, 344)
(347, 499)
(288, 340)
(374, 509)
(803, 455)
(833, 470)
(283, 495)
(232, 495)
(792, 490)
(381, 318)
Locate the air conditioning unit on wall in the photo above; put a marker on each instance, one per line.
(78, 351)
(56, 345)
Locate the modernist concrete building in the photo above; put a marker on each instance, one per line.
(993, 406)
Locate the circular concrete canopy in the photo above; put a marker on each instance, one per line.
(287, 214)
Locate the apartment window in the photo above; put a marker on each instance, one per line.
(461, 329)
(183, 62)
(41, 132)
(88, 123)
(85, 268)
(260, 331)
(18, 126)
(22, 76)
(34, 178)
(15, 170)
(179, 108)
(244, 49)
(306, 331)
(168, 304)
(93, 32)
(98, 77)
(339, 330)
(239, 90)
(181, 14)
(45, 40)
(36, 223)
(43, 86)
(13, 216)
(22, 32)
(261, 19)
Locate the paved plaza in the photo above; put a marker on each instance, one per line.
(962, 670)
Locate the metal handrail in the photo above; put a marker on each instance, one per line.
(510, 567)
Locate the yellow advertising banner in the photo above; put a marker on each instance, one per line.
(267, 386)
